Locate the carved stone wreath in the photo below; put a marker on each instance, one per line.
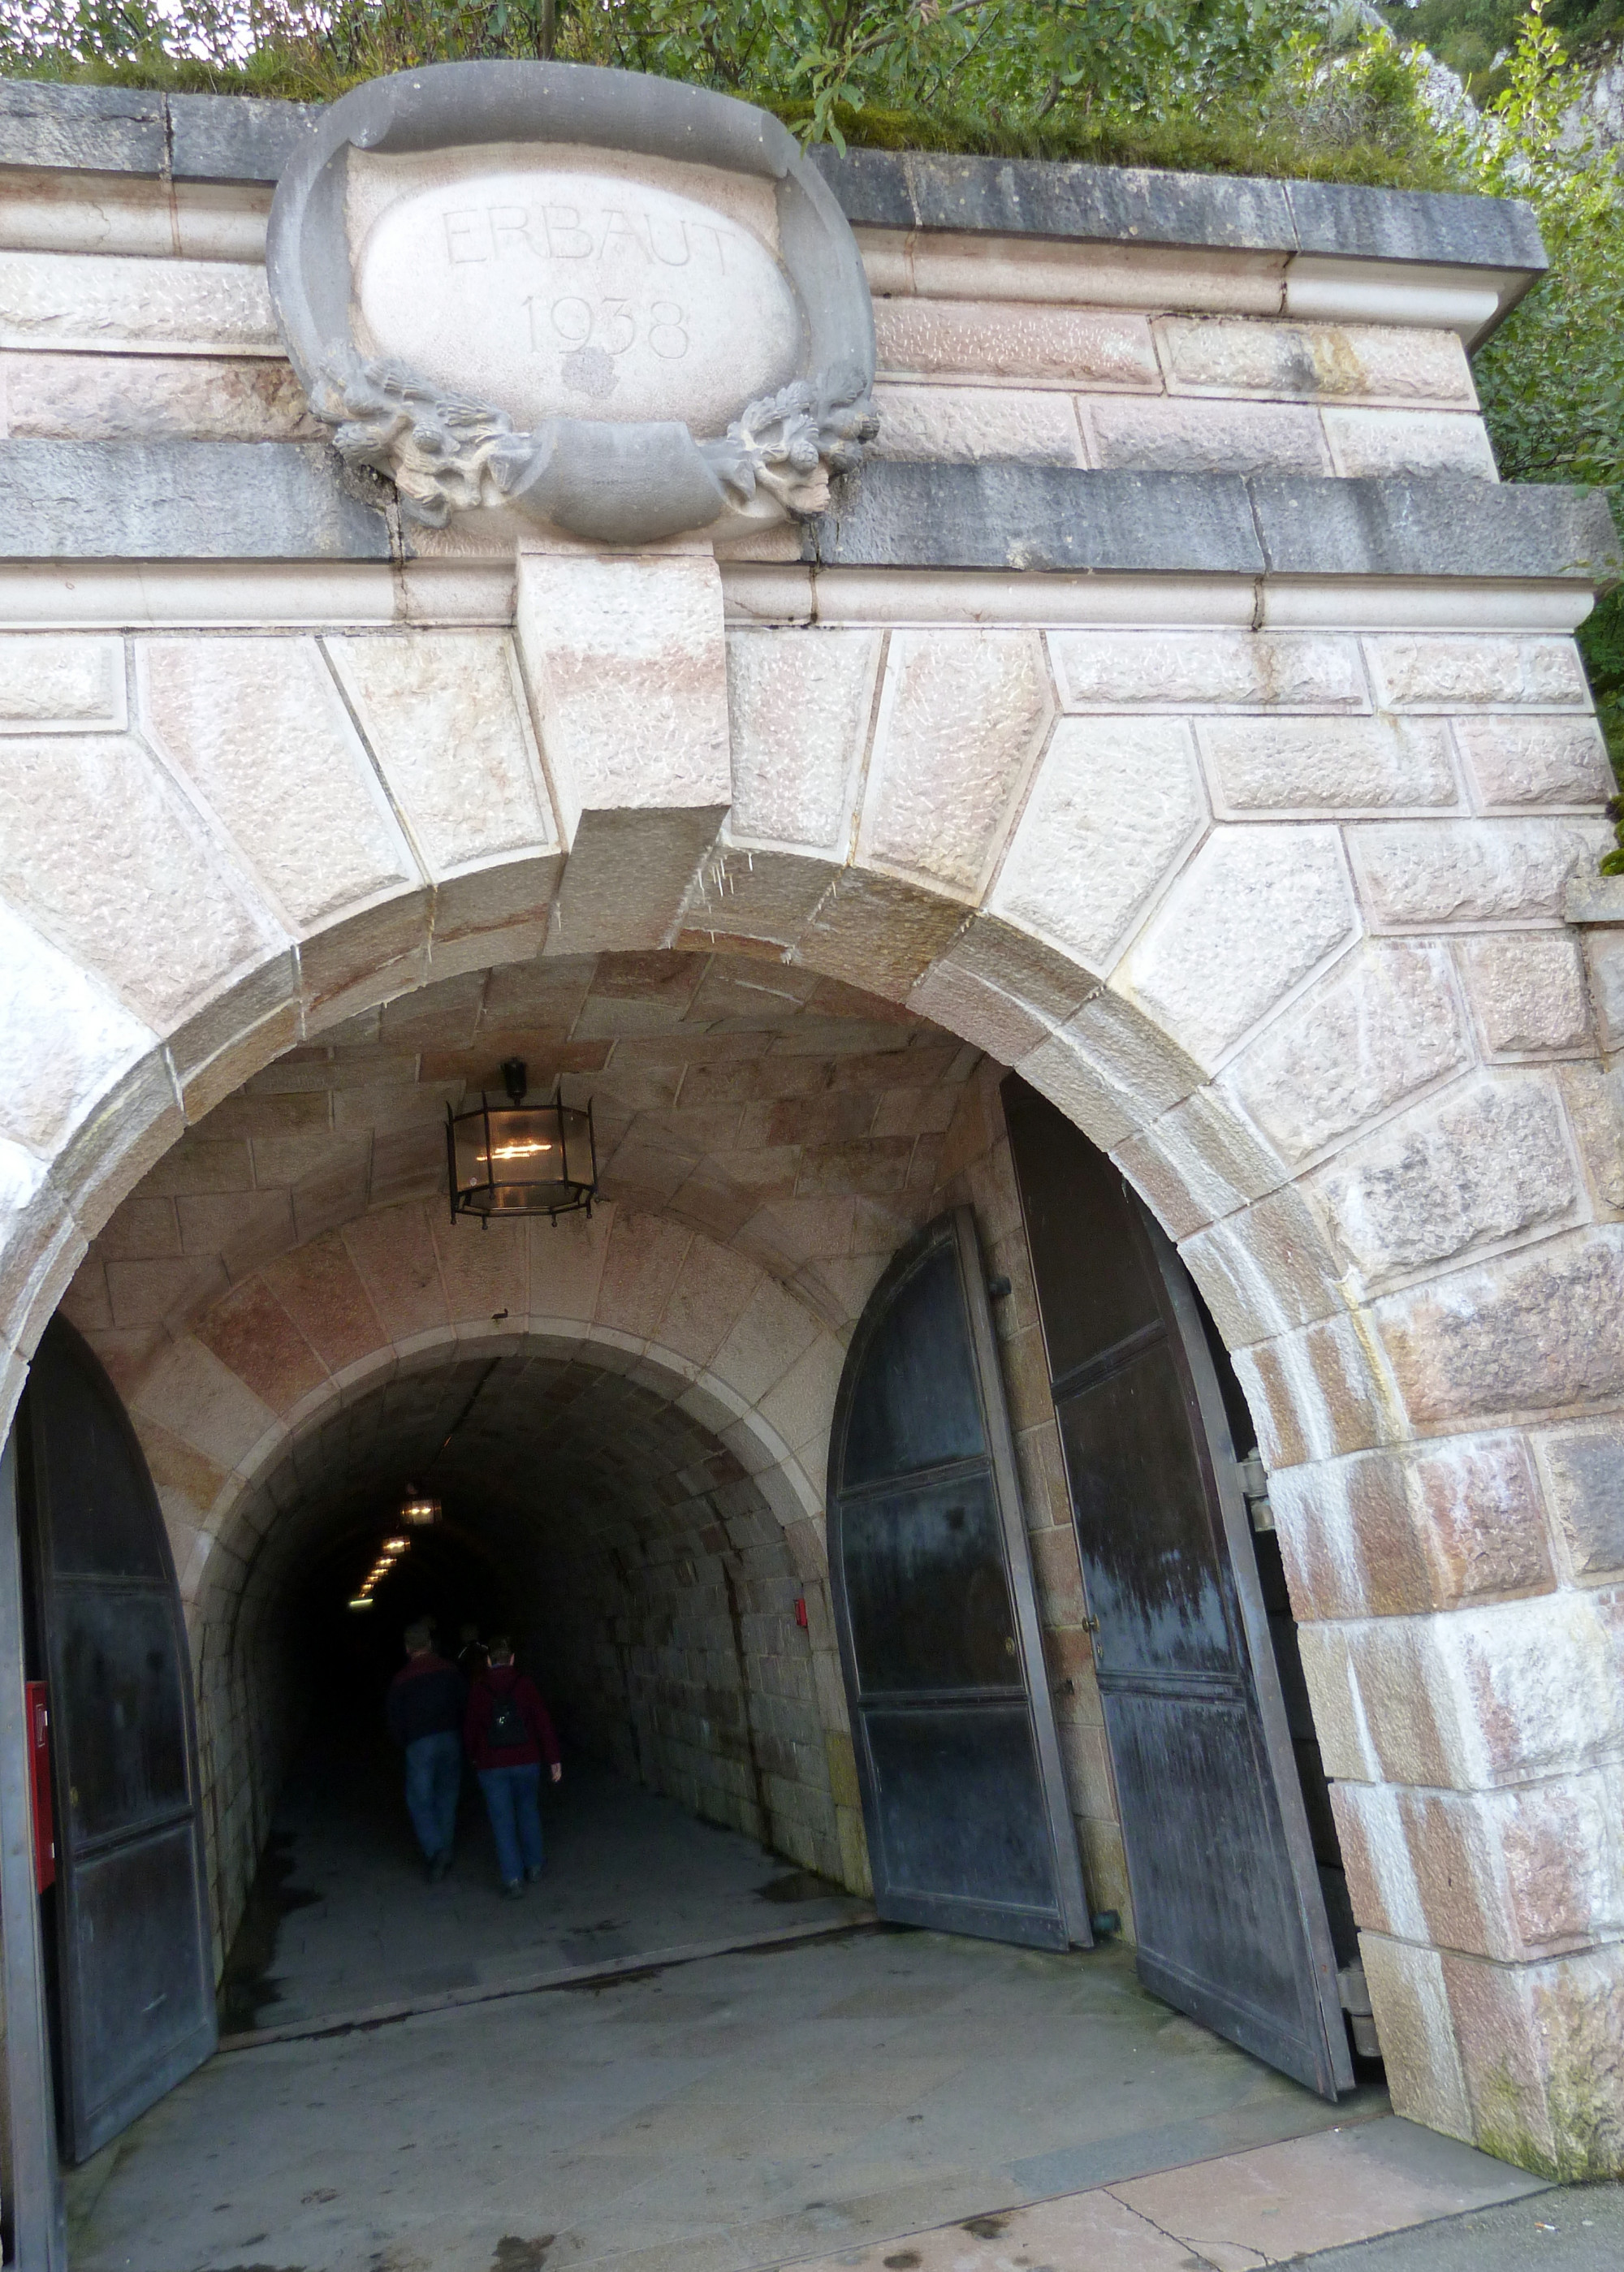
(595, 478)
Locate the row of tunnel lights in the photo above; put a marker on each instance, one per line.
(415, 1513)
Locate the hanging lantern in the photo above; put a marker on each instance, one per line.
(520, 1159)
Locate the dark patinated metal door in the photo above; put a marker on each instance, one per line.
(134, 1952)
(958, 1760)
(1227, 1904)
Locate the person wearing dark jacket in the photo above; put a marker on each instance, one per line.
(508, 1735)
(424, 1707)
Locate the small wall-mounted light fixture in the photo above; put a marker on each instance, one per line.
(520, 1159)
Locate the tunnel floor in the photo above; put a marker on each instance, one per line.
(357, 1931)
(797, 2099)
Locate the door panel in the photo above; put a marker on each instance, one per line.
(1227, 1899)
(134, 1955)
(958, 1759)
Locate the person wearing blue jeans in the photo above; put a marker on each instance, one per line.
(509, 1734)
(425, 1707)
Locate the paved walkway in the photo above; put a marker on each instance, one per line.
(880, 2099)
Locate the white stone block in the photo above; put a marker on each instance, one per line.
(1535, 760)
(1225, 670)
(1424, 873)
(1376, 442)
(1527, 990)
(1410, 2002)
(627, 667)
(1329, 764)
(60, 684)
(1453, 670)
(141, 307)
(445, 715)
(259, 728)
(139, 397)
(799, 703)
(1193, 435)
(1387, 1023)
(1584, 1470)
(1248, 920)
(963, 425)
(66, 1041)
(1486, 1163)
(1378, 362)
(1117, 803)
(962, 716)
(113, 865)
(1015, 340)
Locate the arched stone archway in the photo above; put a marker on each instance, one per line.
(1347, 1058)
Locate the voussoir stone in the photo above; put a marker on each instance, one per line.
(963, 715)
(67, 1039)
(1116, 801)
(1478, 1166)
(259, 727)
(1248, 922)
(798, 702)
(1386, 1024)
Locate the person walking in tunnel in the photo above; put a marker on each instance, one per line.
(509, 1734)
(425, 1707)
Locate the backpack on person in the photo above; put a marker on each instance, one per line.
(506, 1729)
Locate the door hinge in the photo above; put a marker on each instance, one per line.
(1090, 1625)
(1254, 1489)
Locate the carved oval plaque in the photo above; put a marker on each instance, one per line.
(608, 305)
(582, 295)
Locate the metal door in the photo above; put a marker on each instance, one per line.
(1227, 1903)
(134, 1952)
(958, 1761)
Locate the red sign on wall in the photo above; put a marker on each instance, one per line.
(40, 1766)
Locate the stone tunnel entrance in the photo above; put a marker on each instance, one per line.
(625, 1422)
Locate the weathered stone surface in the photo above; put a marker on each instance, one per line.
(1534, 1331)
(960, 425)
(259, 728)
(1585, 1471)
(1015, 340)
(1432, 524)
(150, 397)
(1194, 436)
(1474, 871)
(96, 844)
(1385, 1023)
(627, 665)
(67, 1040)
(58, 299)
(1365, 442)
(52, 680)
(1115, 804)
(1527, 990)
(186, 501)
(1535, 760)
(1542, 2049)
(799, 704)
(962, 716)
(1596, 1111)
(1167, 670)
(1484, 1163)
(1480, 1517)
(444, 714)
(1328, 764)
(1411, 2007)
(1453, 669)
(1378, 362)
(1266, 1269)
(1246, 922)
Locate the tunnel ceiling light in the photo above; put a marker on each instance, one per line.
(419, 1511)
(396, 1545)
(520, 1159)
(361, 1602)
